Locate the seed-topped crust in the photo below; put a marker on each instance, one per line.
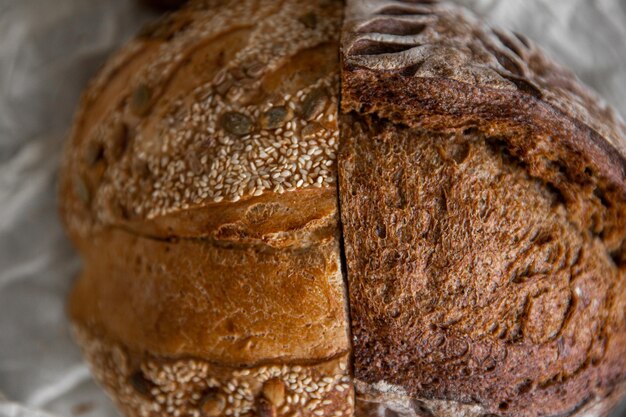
(199, 186)
(211, 106)
(147, 385)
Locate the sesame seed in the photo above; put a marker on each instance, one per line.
(231, 161)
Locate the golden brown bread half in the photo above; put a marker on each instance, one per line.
(482, 199)
(199, 186)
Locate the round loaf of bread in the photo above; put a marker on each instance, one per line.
(304, 208)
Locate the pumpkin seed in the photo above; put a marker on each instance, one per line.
(311, 129)
(140, 383)
(309, 20)
(117, 141)
(212, 404)
(275, 117)
(274, 391)
(141, 100)
(236, 123)
(255, 70)
(93, 152)
(314, 104)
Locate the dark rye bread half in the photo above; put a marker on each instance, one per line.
(211, 179)
(483, 201)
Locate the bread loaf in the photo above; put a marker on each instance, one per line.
(448, 240)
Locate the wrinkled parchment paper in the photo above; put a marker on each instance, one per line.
(48, 51)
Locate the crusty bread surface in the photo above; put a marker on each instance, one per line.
(483, 207)
(199, 187)
(310, 208)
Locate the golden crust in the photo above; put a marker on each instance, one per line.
(239, 304)
(199, 186)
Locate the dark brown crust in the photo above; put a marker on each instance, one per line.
(430, 95)
(447, 104)
(470, 280)
(444, 43)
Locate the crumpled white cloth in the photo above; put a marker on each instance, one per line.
(48, 51)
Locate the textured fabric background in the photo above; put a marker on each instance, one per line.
(48, 51)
